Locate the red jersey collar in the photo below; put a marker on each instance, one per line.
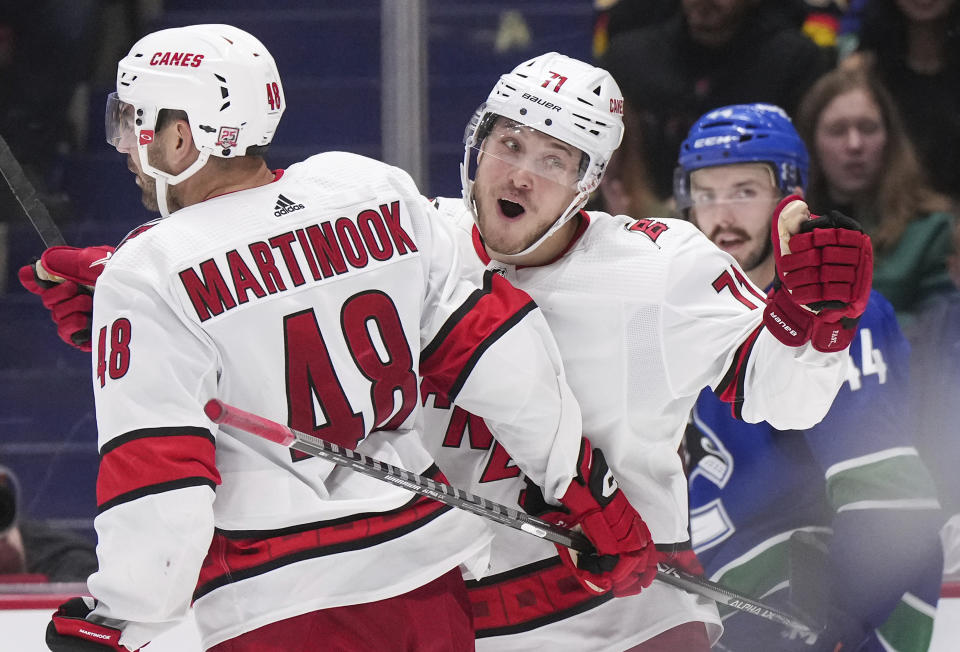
(485, 258)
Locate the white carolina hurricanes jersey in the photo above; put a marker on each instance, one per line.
(646, 313)
(314, 301)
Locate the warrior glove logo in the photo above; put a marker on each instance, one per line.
(285, 206)
(609, 484)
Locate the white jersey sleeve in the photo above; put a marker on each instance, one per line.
(713, 335)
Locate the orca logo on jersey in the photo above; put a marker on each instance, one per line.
(285, 206)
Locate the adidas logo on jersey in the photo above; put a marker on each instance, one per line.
(285, 206)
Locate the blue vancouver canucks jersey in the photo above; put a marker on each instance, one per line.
(854, 482)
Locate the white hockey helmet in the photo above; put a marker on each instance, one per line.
(564, 98)
(222, 77)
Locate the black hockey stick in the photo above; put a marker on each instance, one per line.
(220, 412)
(26, 196)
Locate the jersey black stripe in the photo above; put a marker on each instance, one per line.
(483, 346)
(158, 488)
(586, 605)
(737, 373)
(143, 433)
(322, 551)
(457, 316)
(513, 573)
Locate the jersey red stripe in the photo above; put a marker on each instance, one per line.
(482, 319)
(730, 389)
(232, 558)
(156, 458)
(526, 597)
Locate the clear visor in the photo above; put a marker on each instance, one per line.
(119, 124)
(688, 194)
(522, 149)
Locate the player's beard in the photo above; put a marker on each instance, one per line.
(148, 193)
(755, 257)
(148, 186)
(501, 245)
(758, 256)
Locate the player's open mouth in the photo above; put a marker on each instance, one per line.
(510, 208)
(729, 240)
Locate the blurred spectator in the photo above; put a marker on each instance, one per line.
(935, 340)
(862, 163)
(916, 44)
(35, 548)
(834, 24)
(46, 50)
(614, 16)
(838, 522)
(711, 53)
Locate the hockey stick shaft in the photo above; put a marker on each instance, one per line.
(26, 196)
(222, 413)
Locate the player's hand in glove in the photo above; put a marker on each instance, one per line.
(70, 631)
(824, 273)
(594, 502)
(64, 278)
(685, 560)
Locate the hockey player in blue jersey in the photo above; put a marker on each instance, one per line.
(839, 522)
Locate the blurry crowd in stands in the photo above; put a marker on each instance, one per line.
(52, 54)
(873, 87)
(33, 551)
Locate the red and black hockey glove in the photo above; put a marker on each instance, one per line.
(823, 281)
(594, 502)
(70, 631)
(684, 560)
(64, 278)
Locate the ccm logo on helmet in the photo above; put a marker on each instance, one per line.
(176, 59)
(709, 141)
(545, 104)
(616, 106)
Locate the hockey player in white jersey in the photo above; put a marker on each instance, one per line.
(313, 296)
(646, 313)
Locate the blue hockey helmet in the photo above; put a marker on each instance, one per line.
(742, 133)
